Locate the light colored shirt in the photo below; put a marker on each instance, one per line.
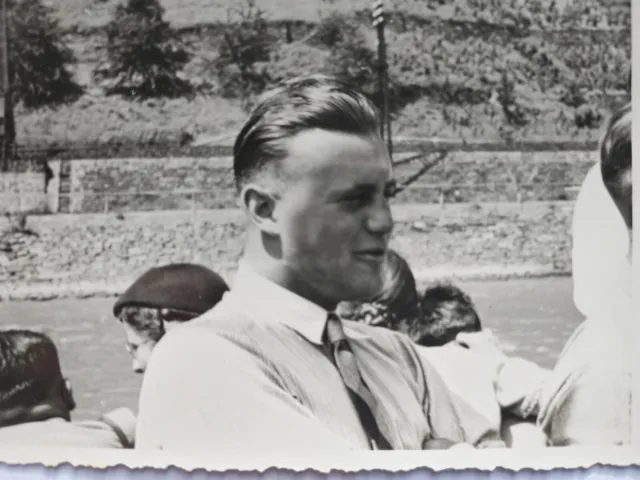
(483, 390)
(251, 374)
(600, 245)
(587, 399)
(57, 432)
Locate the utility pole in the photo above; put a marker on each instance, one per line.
(7, 125)
(383, 76)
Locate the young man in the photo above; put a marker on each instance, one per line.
(588, 398)
(161, 298)
(36, 401)
(272, 368)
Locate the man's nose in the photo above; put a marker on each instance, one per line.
(380, 219)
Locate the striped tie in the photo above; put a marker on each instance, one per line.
(344, 359)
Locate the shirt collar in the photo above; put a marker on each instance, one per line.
(271, 303)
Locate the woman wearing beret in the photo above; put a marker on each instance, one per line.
(161, 298)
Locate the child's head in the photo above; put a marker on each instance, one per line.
(446, 311)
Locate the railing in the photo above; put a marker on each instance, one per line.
(424, 193)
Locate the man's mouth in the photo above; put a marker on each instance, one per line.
(376, 255)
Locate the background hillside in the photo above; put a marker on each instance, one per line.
(470, 69)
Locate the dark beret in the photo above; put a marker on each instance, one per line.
(178, 286)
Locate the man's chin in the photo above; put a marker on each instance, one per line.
(367, 293)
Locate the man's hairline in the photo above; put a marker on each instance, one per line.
(284, 141)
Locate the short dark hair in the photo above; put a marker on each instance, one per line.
(615, 161)
(29, 368)
(295, 105)
(446, 311)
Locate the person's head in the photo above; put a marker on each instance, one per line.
(446, 311)
(396, 306)
(31, 383)
(615, 162)
(315, 178)
(161, 298)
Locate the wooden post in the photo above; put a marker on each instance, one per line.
(194, 229)
(383, 76)
(7, 132)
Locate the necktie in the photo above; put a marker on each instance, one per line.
(364, 401)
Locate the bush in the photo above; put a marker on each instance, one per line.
(587, 116)
(352, 59)
(144, 54)
(39, 58)
(244, 52)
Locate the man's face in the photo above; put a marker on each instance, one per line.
(333, 214)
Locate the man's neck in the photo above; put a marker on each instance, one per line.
(277, 272)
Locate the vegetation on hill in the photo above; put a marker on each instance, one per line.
(469, 69)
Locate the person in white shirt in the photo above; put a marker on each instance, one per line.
(587, 400)
(272, 367)
(597, 227)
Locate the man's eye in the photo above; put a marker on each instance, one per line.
(358, 198)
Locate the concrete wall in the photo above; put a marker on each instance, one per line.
(24, 192)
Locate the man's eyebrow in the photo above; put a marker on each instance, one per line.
(365, 187)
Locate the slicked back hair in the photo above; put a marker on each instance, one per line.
(446, 311)
(296, 105)
(29, 368)
(615, 161)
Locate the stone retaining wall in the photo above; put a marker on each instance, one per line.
(108, 185)
(72, 248)
(23, 192)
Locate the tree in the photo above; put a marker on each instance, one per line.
(244, 53)
(39, 58)
(145, 56)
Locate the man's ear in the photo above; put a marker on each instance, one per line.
(260, 204)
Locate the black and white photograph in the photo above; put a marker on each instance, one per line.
(315, 227)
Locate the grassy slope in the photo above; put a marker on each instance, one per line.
(96, 117)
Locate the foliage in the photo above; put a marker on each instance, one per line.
(144, 54)
(40, 59)
(490, 69)
(245, 45)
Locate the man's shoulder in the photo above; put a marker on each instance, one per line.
(217, 337)
(395, 345)
(361, 330)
